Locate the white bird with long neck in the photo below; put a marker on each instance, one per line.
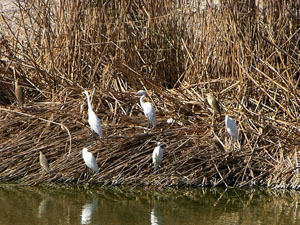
(157, 156)
(90, 160)
(148, 109)
(93, 119)
(231, 127)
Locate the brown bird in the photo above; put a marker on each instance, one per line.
(44, 163)
(213, 102)
(19, 93)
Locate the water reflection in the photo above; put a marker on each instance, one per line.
(87, 211)
(155, 216)
(32, 205)
(43, 207)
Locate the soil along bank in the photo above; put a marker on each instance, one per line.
(247, 56)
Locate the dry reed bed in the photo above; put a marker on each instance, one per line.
(191, 157)
(178, 52)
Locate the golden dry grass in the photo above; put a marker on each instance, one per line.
(178, 52)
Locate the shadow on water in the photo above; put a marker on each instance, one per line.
(32, 205)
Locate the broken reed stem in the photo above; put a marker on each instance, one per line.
(42, 119)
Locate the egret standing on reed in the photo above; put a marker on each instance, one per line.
(157, 156)
(90, 160)
(213, 102)
(148, 109)
(44, 162)
(19, 93)
(93, 119)
(231, 127)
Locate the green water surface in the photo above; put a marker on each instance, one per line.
(33, 205)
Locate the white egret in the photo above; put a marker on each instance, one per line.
(213, 102)
(93, 119)
(44, 162)
(90, 160)
(148, 109)
(231, 127)
(19, 93)
(157, 156)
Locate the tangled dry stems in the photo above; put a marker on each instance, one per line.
(177, 52)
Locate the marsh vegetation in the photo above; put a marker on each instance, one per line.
(178, 51)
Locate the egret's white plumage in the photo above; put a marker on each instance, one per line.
(148, 109)
(231, 127)
(93, 119)
(157, 156)
(90, 160)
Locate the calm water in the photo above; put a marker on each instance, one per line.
(31, 205)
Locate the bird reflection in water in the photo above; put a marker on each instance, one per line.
(87, 211)
(43, 206)
(155, 216)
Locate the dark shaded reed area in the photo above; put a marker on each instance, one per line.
(248, 56)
